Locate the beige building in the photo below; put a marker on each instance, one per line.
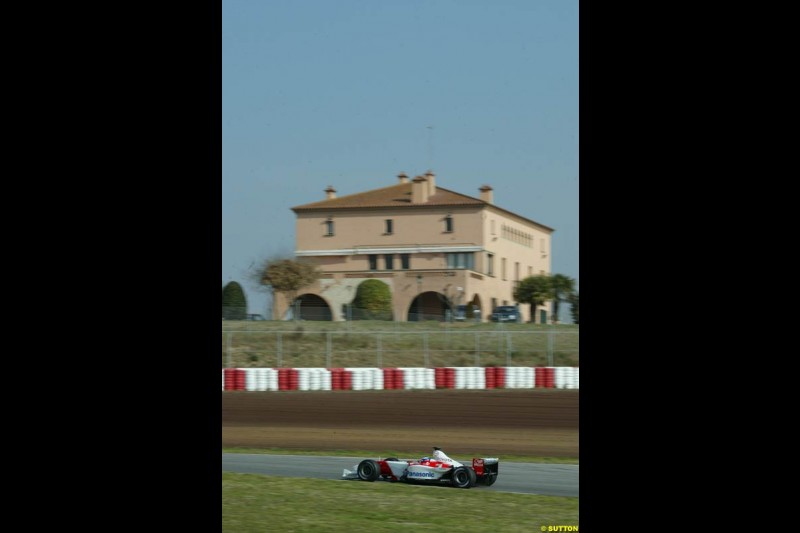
(435, 248)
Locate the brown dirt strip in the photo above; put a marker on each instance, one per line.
(462, 422)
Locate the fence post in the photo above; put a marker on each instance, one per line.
(328, 350)
(477, 350)
(380, 355)
(550, 347)
(228, 349)
(425, 348)
(509, 348)
(279, 340)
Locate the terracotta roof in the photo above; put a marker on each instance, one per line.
(400, 196)
(393, 196)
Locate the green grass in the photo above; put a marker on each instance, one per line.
(257, 503)
(396, 344)
(389, 453)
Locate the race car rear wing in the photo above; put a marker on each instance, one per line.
(484, 466)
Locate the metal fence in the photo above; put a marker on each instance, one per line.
(441, 310)
(353, 314)
(396, 345)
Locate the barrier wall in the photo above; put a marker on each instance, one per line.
(461, 377)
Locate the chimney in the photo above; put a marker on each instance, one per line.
(486, 194)
(402, 177)
(419, 190)
(330, 193)
(431, 183)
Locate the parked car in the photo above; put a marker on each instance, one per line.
(506, 313)
(461, 314)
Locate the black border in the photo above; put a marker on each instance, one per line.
(136, 212)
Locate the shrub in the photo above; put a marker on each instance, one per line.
(374, 300)
(234, 304)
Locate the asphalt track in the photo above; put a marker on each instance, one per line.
(406, 424)
(525, 478)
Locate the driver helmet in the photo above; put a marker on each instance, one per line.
(424, 459)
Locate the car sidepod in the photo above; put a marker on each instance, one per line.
(427, 474)
(393, 469)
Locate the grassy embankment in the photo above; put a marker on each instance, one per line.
(396, 344)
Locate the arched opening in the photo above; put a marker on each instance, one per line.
(310, 307)
(478, 314)
(429, 306)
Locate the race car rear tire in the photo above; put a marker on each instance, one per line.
(489, 479)
(369, 470)
(464, 478)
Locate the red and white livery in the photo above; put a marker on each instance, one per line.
(483, 470)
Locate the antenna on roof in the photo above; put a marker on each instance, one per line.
(430, 146)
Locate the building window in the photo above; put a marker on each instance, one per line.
(516, 271)
(389, 227)
(448, 224)
(490, 264)
(373, 262)
(329, 227)
(544, 246)
(491, 223)
(405, 261)
(389, 258)
(503, 268)
(530, 271)
(461, 260)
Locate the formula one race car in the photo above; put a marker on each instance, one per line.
(483, 471)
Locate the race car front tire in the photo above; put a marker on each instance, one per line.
(463, 477)
(368, 470)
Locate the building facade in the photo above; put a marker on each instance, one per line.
(435, 248)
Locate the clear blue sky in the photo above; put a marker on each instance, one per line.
(351, 92)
